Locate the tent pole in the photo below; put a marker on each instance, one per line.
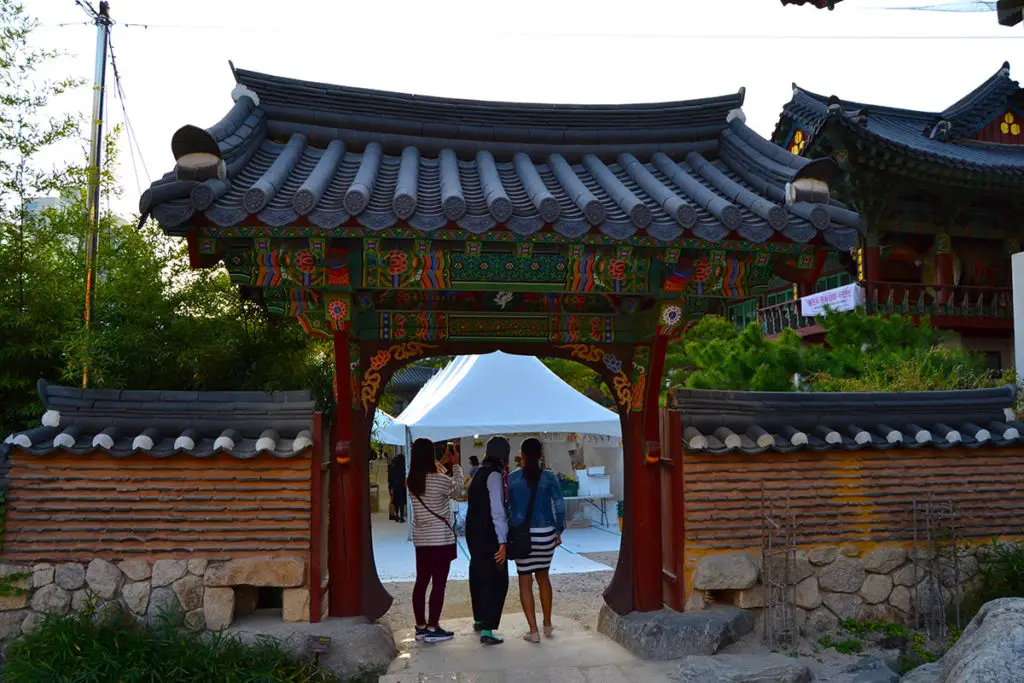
(408, 465)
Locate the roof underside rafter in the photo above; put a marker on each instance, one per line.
(293, 153)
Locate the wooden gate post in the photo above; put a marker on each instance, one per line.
(345, 521)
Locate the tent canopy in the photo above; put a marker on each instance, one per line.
(499, 393)
(383, 432)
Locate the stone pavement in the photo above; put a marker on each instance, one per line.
(573, 655)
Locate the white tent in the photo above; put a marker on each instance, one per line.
(383, 432)
(499, 393)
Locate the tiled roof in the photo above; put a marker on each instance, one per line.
(756, 422)
(329, 155)
(411, 378)
(820, 4)
(163, 423)
(937, 137)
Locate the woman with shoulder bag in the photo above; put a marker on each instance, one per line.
(432, 533)
(537, 519)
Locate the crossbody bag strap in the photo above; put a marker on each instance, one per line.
(447, 523)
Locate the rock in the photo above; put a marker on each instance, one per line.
(198, 567)
(922, 554)
(822, 620)
(136, 570)
(749, 599)
(10, 624)
(908, 575)
(953, 574)
(932, 597)
(42, 575)
(33, 621)
(822, 555)
(69, 576)
(842, 576)
(926, 673)
(22, 586)
(876, 588)
(799, 567)
(991, 648)
(285, 572)
(882, 611)
(246, 598)
(189, 590)
(725, 571)
(367, 652)
(806, 594)
(771, 668)
(163, 605)
(670, 635)
(295, 604)
(871, 670)
(218, 607)
(166, 572)
(81, 600)
(104, 578)
(902, 599)
(849, 550)
(695, 601)
(196, 619)
(136, 596)
(843, 605)
(15, 602)
(884, 560)
(51, 599)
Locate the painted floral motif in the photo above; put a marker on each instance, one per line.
(380, 359)
(304, 261)
(612, 363)
(702, 270)
(617, 269)
(398, 262)
(337, 310)
(671, 315)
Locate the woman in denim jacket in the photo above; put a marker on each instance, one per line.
(547, 522)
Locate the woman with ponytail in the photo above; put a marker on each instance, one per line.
(535, 498)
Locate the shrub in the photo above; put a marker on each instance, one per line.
(84, 647)
(1000, 575)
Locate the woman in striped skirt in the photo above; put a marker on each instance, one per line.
(547, 520)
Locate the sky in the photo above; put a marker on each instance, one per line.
(175, 72)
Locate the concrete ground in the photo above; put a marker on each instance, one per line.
(574, 654)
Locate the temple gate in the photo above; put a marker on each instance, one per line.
(404, 226)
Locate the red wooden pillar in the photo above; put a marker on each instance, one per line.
(345, 521)
(316, 519)
(872, 267)
(944, 275)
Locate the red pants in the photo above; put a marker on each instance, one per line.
(432, 566)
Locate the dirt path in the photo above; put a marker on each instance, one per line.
(577, 597)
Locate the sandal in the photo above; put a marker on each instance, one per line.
(532, 637)
(549, 631)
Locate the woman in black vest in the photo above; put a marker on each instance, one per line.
(486, 535)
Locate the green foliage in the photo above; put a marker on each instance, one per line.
(84, 647)
(11, 584)
(860, 353)
(1000, 574)
(846, 647)
(916, 650)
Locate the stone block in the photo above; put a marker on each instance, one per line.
(189, 590)
(991, 648)
(871, 670)
(198, 567)
(10, 624)
(843, 605)
(952, 574)
(794, 568)
(908, 575)
(670, 635)
(70, 576)
(51, 599)
(926, 673)
(695, 601)
(902, 599)
(163, 605)
(104, 578)
(842, 576)
(876, 588)
(166, 572)
(749, 599)
(806, 593)
(81, 599)
(218, 607)
(42, 575)
(884, 560)
(766, 668)
(822, 620)
(136, 570)
(822, 555)
(283, 572)
(15, 602)
(295, 605)
(196, 619)
(368, 651)
(849, 550)
(33, 620)
(882, 611)
(136, 596)
(724, 571)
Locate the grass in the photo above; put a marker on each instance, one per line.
(84, 648)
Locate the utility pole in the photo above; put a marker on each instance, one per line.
(102, 20)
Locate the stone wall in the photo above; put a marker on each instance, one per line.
(828, 582)
(210, 593)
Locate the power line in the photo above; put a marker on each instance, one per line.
(133, 141)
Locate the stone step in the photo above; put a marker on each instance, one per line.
(621, 673)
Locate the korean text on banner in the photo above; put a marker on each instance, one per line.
(844, 298)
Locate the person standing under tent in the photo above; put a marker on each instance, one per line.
(486, 536)
(433, 535)
(474, 464)
(546, 521)
(396, 486)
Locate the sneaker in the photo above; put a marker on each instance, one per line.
(421, 633)
(490, 640)
(437, 634)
